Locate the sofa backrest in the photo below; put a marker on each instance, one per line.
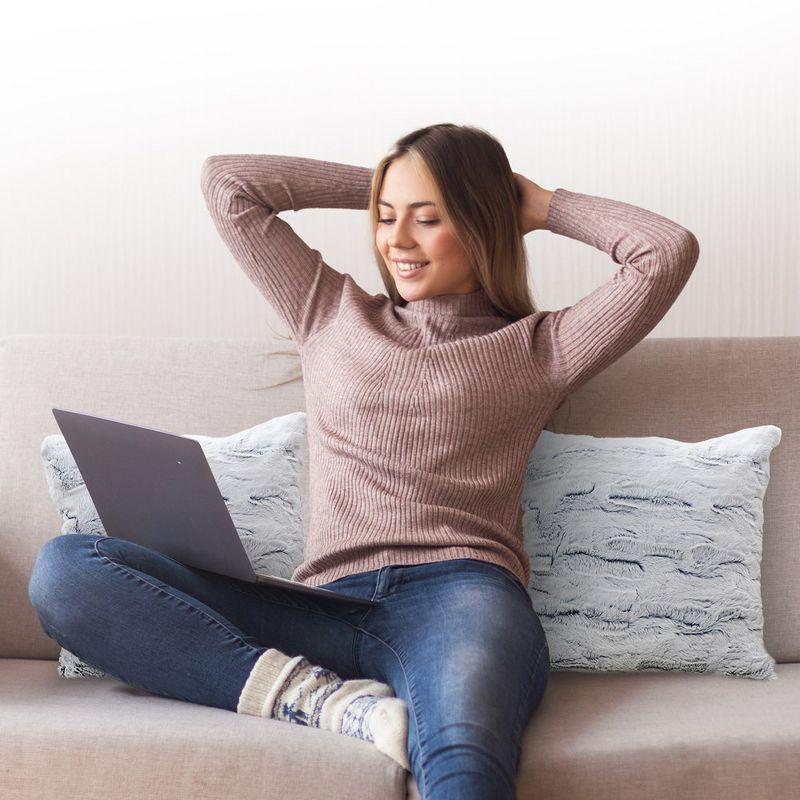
(688, 389)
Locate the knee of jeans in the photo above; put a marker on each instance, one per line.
(468, 734)
(56, 573)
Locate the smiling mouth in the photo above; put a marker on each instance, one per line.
(412, 271)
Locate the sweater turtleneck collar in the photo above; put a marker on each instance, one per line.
(470, 304)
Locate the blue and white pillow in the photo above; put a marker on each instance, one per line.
(258, 471)
(646, 552)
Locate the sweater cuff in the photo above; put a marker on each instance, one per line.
(563, 216)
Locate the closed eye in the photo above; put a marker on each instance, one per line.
(421, 221)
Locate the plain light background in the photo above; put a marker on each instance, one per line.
(689, 109)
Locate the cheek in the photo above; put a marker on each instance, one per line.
(442, 246)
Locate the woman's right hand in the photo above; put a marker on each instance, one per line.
(534, 204)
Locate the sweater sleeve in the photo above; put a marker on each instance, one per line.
(245, 193)
(657, 257)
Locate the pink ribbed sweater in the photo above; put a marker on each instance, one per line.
(421, 418)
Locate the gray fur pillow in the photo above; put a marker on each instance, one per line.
(646, 552)
(265, 461)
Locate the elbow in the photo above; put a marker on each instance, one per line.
(679, 262)
(689, 251)
(209, 175)
(219, 184)
(679, 253)
(691, 246)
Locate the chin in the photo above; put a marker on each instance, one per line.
(414, 292)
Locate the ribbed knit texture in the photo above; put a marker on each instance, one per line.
(421, 418)
(262, 681)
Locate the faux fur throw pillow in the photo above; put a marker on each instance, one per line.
(646, 552)
(258, 471)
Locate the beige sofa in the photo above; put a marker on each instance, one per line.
(605, 736)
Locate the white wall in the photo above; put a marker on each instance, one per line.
(689, 109)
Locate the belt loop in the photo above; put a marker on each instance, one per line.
(378, 584)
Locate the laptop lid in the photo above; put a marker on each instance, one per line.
(157, 489)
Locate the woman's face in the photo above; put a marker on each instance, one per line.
(411, 229)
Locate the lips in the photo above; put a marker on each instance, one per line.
(411, 273)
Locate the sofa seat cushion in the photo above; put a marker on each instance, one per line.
(103, 738)
(662, 736)
(601, 735)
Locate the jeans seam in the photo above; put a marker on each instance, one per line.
(124, 568)
(524, 704)
(356, 627)
(358, 637)
(414, 701)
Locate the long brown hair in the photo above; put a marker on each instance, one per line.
(477, 195)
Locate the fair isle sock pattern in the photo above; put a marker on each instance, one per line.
(356, 719)
(307, 688)
(292, 689)
(303, 693)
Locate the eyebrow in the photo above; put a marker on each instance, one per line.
(410, 205)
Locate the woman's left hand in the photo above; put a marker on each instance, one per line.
(534, 204)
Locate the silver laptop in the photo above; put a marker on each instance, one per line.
(157, 489)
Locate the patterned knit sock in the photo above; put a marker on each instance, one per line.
(294, 690)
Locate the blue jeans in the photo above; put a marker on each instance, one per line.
(458, 640)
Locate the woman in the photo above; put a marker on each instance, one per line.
(423, 408)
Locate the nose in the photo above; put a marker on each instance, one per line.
(398, 240)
